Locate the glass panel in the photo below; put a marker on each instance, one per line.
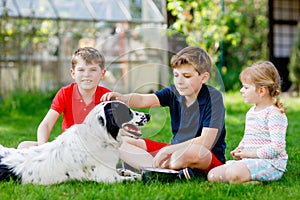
(150, 12)
(36, 8)
(143, 10)
(134, 53)
(11, 8)
(286, 10)
(161, 6)
(108, 10)
(284, 36)
(75, 9)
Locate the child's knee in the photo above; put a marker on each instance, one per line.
(238, 173)
(216, 175)
(235, 176)
(220, 174)
(231, 175)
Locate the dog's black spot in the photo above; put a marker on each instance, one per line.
(101, 120)
(148, 116)
(23, 154)
(93, 167)
(30, 173)
(85, 169)
(67, 174)
(144, 120)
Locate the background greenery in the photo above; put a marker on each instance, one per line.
(233, 32)
(21, 114)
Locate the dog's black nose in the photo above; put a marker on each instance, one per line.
(148, 116)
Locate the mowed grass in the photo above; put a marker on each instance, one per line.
(21, 114)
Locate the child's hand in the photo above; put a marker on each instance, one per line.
(110, 96)
(235, 153)
(240, 153)
(162, 158)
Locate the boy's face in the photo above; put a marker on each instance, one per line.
(188, 81)
(87, 76)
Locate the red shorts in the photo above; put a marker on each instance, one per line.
(215, 162)
(153, 147)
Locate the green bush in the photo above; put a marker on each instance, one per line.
(22, 102)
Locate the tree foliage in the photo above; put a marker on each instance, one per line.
(234, 32)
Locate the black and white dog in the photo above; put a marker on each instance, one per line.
(84, 152)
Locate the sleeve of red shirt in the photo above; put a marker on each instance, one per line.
(58, 103)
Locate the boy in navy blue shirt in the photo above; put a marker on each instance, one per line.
(197, 117)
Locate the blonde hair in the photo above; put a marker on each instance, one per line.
(264, 74)
(89, 55)
(195, 56)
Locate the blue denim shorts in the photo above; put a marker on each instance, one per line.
(260, 169)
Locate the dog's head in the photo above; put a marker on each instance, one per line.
(114, 115)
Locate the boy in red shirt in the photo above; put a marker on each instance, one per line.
(76, 100)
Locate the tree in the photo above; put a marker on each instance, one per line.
(234, 32)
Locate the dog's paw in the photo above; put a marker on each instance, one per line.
(129, 174)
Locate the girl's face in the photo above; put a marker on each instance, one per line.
(249, 93)
(87, 76)
(188, 81)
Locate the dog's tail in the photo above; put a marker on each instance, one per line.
(7, 173)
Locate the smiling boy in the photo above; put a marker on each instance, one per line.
(77, 99)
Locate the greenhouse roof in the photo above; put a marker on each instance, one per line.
(88, 10)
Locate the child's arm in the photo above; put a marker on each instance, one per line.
(277, 125)
(46, 126)
(133, 99)
(241, 153)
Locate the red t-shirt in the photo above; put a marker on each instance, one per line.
(69, 102)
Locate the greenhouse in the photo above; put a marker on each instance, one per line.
(38, 38)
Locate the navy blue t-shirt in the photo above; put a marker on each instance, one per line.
(188, 122)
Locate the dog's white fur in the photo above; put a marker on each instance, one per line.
(85, 152)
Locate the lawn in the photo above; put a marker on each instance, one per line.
(20, 116)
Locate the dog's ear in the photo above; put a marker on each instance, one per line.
(116, 114)
(113, 120)
(121, 113)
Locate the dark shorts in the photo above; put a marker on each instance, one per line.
(153, 147)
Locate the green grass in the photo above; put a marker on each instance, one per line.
(21, 114)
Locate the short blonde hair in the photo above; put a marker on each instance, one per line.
(264, 74)
(195, 56)
(89, 55)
